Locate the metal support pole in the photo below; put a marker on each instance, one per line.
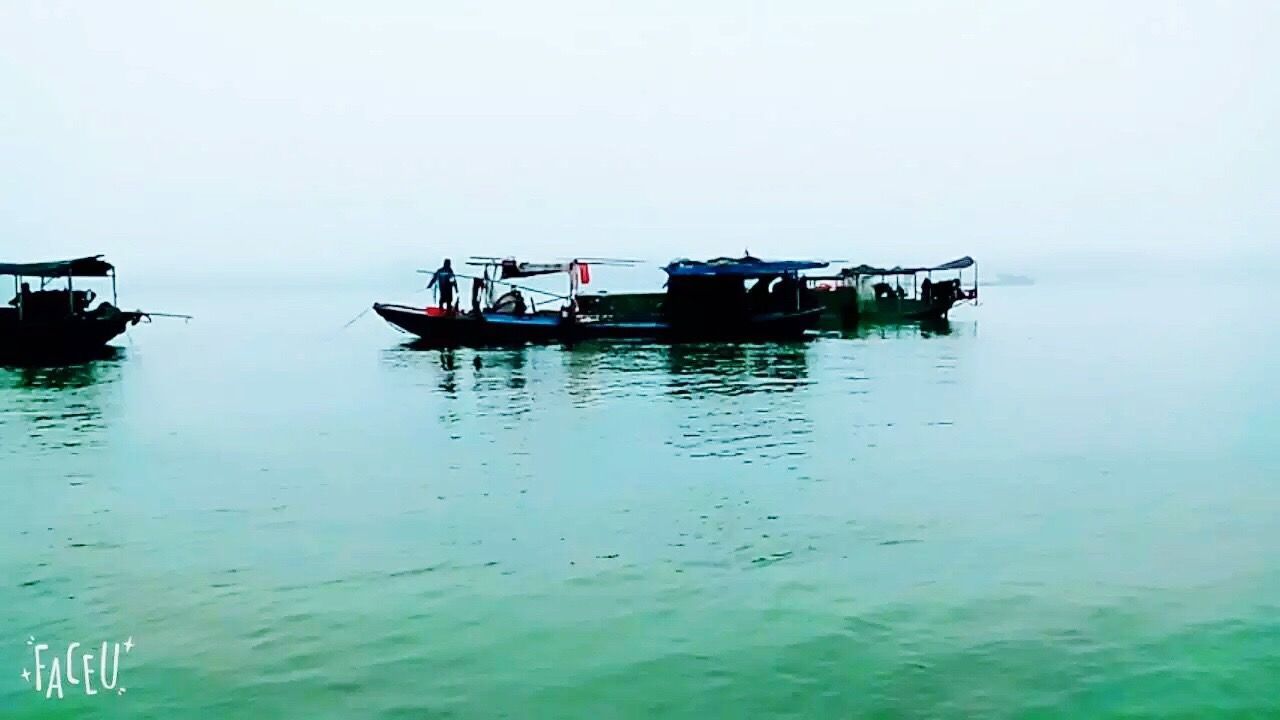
(71, 295)
(115, 298)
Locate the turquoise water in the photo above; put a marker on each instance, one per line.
(1066, 506)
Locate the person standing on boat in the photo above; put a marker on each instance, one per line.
(446, 284)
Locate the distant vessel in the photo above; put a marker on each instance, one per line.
(60, 323)
(1007, 280)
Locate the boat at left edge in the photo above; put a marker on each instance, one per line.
(61, 323)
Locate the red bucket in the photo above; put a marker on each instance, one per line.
(436, 312)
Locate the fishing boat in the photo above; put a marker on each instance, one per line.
(60, 323)
(511, 317)
(738, 299)
(704, 301)
(868, 294)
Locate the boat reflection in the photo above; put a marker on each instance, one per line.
(686, 369)
(737, 369)
(921, 329)
(590, 370)
(59, 410)
(103, 365)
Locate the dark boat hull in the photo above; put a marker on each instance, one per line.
(844, 311)
(499, 329)
(61, 339)
(484, 329)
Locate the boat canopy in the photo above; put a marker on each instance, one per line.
(93, 266)
(744, 267)
(513, 269)
(960, 264)
(509, 268)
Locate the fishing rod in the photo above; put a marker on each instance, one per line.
(166, 315)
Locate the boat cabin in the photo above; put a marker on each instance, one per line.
(738, 295)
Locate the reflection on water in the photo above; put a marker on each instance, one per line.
(919, 329)
(103, 366)
(723, 392)
(734, 369)
(622, 367)
(55, 409)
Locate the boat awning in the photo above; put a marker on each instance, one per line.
(745, 267)
(513, 269)
(80, 267)
(960, 264)
(509, 268)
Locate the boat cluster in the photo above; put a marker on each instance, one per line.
(724, 299)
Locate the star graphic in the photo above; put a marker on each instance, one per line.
(128, 644)
(26, 675)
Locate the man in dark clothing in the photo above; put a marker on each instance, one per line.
(446, 282)
(23, 297)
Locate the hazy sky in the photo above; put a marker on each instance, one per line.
(366, 134)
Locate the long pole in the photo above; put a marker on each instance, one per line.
(71, 294)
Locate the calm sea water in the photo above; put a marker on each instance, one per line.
(1067, 506)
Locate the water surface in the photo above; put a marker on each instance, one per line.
(1064, 506)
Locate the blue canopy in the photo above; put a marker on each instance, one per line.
(744, 267)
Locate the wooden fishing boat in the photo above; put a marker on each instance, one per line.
(440, 327)
(705, 301)
(725, 299)
(59, 324)
(505, 319)
(867, 294)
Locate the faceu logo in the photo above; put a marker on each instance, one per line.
(76, 668)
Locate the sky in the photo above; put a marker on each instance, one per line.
(323, 138)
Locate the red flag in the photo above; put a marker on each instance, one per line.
(584, 274)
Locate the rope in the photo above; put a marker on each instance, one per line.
(353, 320)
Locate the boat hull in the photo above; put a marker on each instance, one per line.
(501, 329)
(483, 329)
(843, 309)
(62, 339)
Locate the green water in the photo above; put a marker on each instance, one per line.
(1067, 506)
